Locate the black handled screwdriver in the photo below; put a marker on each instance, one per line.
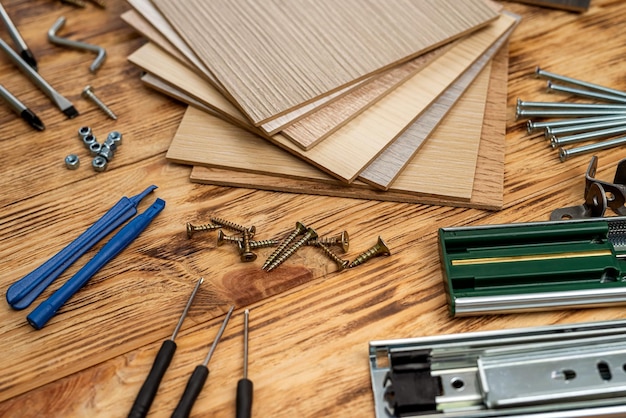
(244, 385)
(198, 377)
(161, 363)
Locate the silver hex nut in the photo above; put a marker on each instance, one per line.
(72, 161)
(99, 163)
(116, 137)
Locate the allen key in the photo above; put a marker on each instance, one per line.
(57, 40)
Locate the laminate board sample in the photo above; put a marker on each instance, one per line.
(489, 179)
(384, 170)
(368, 134)
(149, 22)
(317, 126)
(272, 56)
(217, 143)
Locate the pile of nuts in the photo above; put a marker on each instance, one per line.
(102, 152)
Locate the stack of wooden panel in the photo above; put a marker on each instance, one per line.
(401, 100)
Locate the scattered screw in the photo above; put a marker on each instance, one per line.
(343, 264)
(191, 229)
(379, 249)
(342, 240)
(308, 235)
(90, 95)
(300, 228)
(233, 226)
(564, 154)
(246, 253)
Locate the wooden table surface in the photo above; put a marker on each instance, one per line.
(309, 324)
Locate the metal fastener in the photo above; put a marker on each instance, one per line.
(90, 95)
(535, 126)
(586, 127)
(222, 237)
(95, 148)
(83, 131)
(564, 154)
(116, 137)
(585, 136)
(377, 250)
(233, 226)
(99, 163)
(288, 252)
(106, 152)
(191, 229)
(72, 161)
(299, 230)
(569, 113)
(585, 93)
(342, 240)
(341, 263)
(521, 104)
(244, 247)
(596, 87)
(57, 40)
(88, 140)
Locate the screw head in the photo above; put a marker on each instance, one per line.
(87, 91)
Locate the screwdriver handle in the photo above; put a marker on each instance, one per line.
(192, 390)
(244, 398)
(151, 385)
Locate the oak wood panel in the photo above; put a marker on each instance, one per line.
(274, 56)
(378, 125)
(206, 140)
(312, 337)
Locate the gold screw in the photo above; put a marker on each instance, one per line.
(191, 229)
(308, 235)
(246, 254)
(343, 264)
(379, 249)
(343, 240)
(233, 226)
(300, 229)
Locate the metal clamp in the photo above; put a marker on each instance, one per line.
(57, 40)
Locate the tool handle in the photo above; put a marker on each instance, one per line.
(192, 390)
(244, 398)
(46, 310)
(151, 385)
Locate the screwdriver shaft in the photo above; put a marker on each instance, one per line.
(148, 390)
(205, 363)
(244, 385)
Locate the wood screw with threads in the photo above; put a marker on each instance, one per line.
(377, 250)
(233, 226)
(191, 229)
(341, 263)
(342, 240)
(308, 235)
(300, 229)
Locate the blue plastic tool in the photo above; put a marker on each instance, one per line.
(23, 292)
(46, 310)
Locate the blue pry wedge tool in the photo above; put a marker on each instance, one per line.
(23, 292)
(46, 310)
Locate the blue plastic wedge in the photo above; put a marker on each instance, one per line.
(46, 310)
(23, 292)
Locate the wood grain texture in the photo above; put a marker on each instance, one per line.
(572, 5)
(378, 125)
(215, 143)
(313, 336)
(273, 56)
(317, 126)
(385, 169)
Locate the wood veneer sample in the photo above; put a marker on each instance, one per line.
(368, 134)
(272, 56)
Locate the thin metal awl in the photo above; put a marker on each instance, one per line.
(57, 40)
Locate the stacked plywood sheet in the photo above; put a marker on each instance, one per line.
(401, 100)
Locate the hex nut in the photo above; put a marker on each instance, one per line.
(72, 161)
(83, 131)
(99, 163)
(94, 149)
(116, 137)
(89, 139)
(106, 152)
(110, 143)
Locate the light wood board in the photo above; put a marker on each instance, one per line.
(489, 176)
(216, 143)
(386, 168)
(272, 56)
(367, 135)
(147, 20)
